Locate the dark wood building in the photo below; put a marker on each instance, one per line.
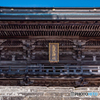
(25, 34)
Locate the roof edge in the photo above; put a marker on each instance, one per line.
(50, 7)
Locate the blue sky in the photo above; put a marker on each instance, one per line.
(50, 3)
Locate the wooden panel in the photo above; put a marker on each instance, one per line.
(53, 52)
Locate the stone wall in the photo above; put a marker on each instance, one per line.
(47, 93)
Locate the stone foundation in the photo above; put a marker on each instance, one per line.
(47, 93)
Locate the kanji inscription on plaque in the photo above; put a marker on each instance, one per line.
(53, 52)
